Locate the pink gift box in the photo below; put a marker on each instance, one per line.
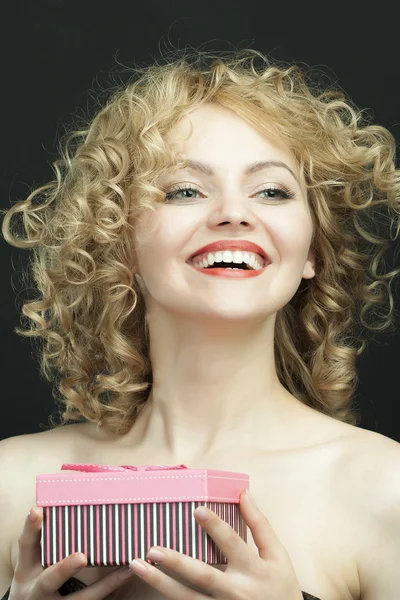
(115, 514)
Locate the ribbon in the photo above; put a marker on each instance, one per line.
(88, 468)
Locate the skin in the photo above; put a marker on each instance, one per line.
(212, 338)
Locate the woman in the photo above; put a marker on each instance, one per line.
(204, 257)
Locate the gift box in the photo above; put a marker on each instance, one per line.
(114, 514)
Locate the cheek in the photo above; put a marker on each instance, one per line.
(172, 229)
(147, 232)
(291, 235)
(158, 242)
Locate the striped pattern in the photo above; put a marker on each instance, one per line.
(102, 531)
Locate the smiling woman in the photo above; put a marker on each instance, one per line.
(206, 258)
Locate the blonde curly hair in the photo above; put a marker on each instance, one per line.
(90, 313)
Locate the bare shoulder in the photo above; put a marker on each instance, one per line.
(369, 481)
(371, 462)
(27, 451)
(22, 457)
(368, 471)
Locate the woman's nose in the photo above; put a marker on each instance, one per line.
(233, 208)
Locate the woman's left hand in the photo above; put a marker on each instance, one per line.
(266, 575)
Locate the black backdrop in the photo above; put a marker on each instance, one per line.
(57, 59)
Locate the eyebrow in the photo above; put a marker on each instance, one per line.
(251, 168)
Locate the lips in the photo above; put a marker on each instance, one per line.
(221, 245)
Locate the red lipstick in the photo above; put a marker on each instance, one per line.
(230, 273)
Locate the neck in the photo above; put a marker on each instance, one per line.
(213, 384)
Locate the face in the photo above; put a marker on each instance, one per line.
(228, 204)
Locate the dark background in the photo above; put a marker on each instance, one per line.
(56, 63)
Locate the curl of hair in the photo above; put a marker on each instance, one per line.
(90, 313)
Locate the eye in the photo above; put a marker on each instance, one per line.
(277, 192)
(186, 189)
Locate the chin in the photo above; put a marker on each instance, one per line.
(229, 316)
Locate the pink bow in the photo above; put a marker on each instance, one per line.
(87, 468)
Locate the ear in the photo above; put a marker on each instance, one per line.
(309, 267)
(140, 283)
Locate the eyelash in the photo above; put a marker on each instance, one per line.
(285, 194)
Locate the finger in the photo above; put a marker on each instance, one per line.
(105, 586)
(265, 538)
(228, 541)
(192, 570)
(29, 543)
(53, 577)
(56, 575)
(167, 586)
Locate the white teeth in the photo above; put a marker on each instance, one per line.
(228, 256)
(237, 256)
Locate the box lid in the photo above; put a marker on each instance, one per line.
(82, 484)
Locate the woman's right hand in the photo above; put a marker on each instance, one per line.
(33, 582)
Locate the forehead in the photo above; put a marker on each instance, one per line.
(215, 132)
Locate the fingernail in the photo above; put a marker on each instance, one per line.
(78, 561)
(201, 513)
(156, 555)
(250, 497)
(32, 515)
(138, 566)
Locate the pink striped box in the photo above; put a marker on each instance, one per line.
(115, 514)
